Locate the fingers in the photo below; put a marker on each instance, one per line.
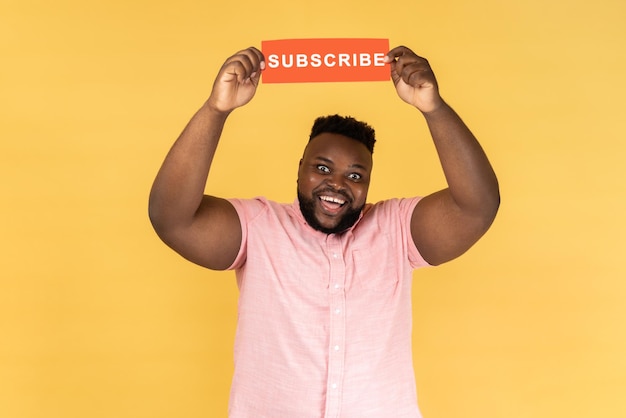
(408, 66)
(237, 81)
(245, 64)
(397, 52)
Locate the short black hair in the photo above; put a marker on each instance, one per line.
(346, 126)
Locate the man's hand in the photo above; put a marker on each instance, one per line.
(414, 79)
(237, 81)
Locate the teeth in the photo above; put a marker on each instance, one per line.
(333, 200)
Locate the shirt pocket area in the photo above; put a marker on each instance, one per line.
(376, 267)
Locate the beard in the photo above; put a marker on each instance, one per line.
(307, 207)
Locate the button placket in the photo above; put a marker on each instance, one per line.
(337, 327)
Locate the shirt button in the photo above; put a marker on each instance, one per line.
(336, 348)
(336, 286)
(334, 386)
(335, 255)
(337, 311)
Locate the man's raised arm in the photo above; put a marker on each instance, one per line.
(447, 223)
(203, 229)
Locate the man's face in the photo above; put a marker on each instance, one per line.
(333, 180)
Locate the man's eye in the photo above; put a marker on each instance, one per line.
(354, 176)
(323, 168)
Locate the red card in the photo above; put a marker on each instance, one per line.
(316, 60)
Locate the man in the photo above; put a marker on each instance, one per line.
(324, 324)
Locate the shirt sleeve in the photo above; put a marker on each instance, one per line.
(407, 206)
(247, 210)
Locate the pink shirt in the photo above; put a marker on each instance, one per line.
(324, 323)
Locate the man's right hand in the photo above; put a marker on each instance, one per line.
(237, 81)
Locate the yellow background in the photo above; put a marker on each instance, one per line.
(99, 319)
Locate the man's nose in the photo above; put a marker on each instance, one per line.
(337, 181)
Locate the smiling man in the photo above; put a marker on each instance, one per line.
(334, 173)
(324, 321)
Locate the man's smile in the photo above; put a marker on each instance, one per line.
(332, 203)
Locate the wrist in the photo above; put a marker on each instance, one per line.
(435, 108)
(214, 110)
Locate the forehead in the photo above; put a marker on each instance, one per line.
(339, 149)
